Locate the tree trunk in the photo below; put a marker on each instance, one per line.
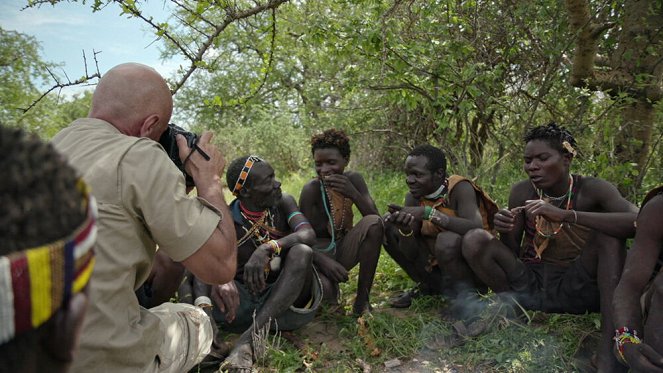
(635, 69)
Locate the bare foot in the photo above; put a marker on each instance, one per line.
(360, 308)
(240, 359)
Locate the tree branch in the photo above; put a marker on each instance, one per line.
(60, 85)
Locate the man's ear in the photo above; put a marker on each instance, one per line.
(150, 127)
(61, 339)
(245, 192)
(567, 159)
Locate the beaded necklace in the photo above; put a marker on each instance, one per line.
(261, 226)
(329, 208)
(540, 220)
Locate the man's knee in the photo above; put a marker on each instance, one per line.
(391, 238)
(474, 243)
(300, 256)
(448, 246)
(377, 225)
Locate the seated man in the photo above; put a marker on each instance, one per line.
(276, 285)
(562, 240)
(327, 203)
(142, 204)
(47, 236)
(424, 237)
(638, 301)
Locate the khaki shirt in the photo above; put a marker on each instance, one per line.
(142, 203)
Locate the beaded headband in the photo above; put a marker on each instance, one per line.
(250, 161)
(36, 282)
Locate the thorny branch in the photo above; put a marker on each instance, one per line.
(59, 85)
(194, 57)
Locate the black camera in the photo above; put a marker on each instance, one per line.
(169, 142)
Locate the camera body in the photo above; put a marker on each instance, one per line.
(169, 142)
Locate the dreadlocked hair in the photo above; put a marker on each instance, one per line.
(553, 135)
(436, 158)
(332, 138)
(39, 201)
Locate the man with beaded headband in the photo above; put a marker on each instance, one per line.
(638, 301)
(47, 234)
(143, 204)
(327, 202)
(275, 285)
(562, 238)
(424, 236)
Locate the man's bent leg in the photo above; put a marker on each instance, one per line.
(297, 268)
(362, 245)
(410, 255)
(491, 260)
(604, 256)
(654, 323)
(457, 273)
(188, 337)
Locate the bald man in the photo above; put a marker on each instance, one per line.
(142, 203)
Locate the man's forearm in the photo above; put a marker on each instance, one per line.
(615, 224)
(453, 224)
(213, 194)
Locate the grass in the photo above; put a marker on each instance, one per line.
(536, 342)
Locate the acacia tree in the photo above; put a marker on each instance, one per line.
(22, 103)
(467, 75)
(619, 50)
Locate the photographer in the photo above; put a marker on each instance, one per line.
(142, 204)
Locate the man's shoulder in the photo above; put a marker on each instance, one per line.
(594, 187)
(311, 186)
(591, 182)
(354, 175)
(522, 186)
(286, 203)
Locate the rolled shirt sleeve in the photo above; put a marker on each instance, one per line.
(154, 192)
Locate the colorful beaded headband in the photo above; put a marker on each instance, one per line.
(36, 282)
(250, 161)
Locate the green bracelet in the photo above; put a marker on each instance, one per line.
(428, 212)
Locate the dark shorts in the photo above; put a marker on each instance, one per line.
(291, 319)
(552, 288)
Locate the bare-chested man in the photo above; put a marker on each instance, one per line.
(275, 277)
(424, 237)
(562, 239)
(638, 301)
(327, 203)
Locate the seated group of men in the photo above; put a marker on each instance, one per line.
(264, 261)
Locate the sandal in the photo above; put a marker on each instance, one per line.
(404, 299)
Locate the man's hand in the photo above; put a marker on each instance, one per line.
(226, 298)
(643, 358)
(204, 171)
(405, 217)
(332, 269)
(341, 184)
(254, 269)
(538, 207)
(505, 219)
